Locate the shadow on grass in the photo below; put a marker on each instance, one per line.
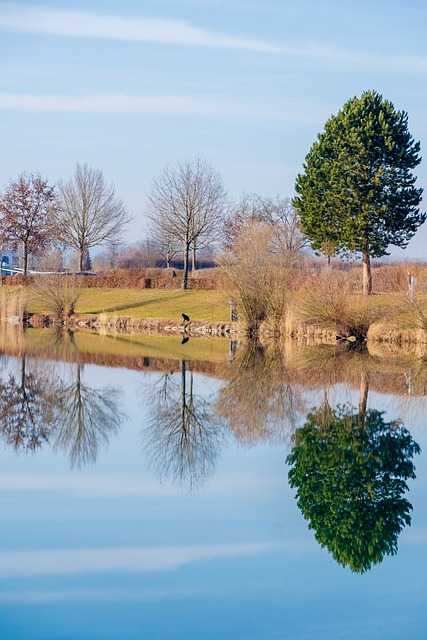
(140, 303)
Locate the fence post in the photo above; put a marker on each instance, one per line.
(412, 287)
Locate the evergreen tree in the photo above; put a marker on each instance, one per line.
(357, 191)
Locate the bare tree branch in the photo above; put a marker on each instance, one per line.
(89, 212)
(187, 207)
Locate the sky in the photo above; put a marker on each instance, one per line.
(132, 86)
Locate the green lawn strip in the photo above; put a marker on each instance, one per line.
(169, 304)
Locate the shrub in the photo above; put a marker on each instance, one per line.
(57, 294)
(328, 301)
(257, 277)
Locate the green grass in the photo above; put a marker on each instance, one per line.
(150, 303)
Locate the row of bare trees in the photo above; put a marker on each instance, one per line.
(82, 213)
(188, 209)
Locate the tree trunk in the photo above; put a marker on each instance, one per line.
(186, 265)
(23, 373)
(25, 259)
(367, 275)
(194, 258)
(363, 395)
(183, 395)
(81, 259)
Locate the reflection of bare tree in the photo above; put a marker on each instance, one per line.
(184, 436)
(28, 408)
(89, 416)
(259, 402)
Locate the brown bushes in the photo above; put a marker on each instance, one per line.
(57, 294)
(257, 277)
(149, 278)
(328, 301)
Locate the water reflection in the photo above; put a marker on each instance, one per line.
(349, 462)
(259, 403)
(88, 417)
(349, 468)
(184, 436)
(28, 408)
(40, 407)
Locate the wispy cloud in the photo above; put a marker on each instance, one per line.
(193, 106)
(91, 485)
(82, 24)
(71, 561)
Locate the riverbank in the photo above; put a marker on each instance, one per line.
(383, 318)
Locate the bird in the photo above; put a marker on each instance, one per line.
(185, 340)
(185, 317)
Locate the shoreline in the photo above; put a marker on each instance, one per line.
(144, 326)
(379, 332)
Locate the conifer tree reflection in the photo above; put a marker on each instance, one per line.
(89, 417)
(28, 408)
(349, 468)
(184, 434)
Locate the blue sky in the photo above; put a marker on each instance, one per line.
(131, 86)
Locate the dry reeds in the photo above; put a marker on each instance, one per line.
(57, 295)
(326, 301)
(258, 278)
(12, 304)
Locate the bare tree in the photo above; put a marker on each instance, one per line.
(167, 246)
(89, 417)
(284, 219)
(277, 212)
(187, 206)
(244, 213)
(52, 260)
(89, 212)
(26, 215)
(185, 435)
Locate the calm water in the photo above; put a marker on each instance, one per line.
(149, 497)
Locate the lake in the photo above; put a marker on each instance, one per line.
(157, 489)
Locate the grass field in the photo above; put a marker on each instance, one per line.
(150, 303)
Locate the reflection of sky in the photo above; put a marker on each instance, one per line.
(110, 552)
